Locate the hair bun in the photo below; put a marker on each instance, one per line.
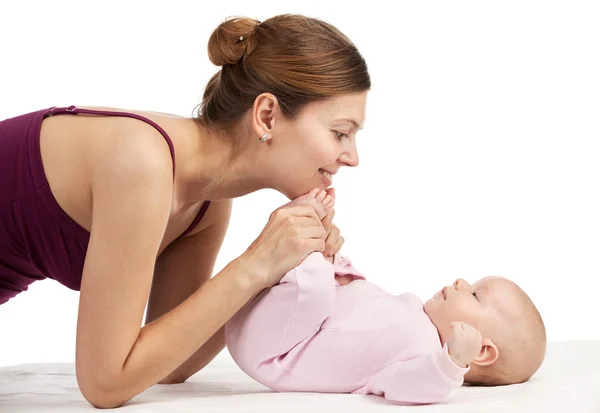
(228, 43)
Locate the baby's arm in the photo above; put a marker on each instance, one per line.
(423, 380)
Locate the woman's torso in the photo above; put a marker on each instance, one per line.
(46, 199)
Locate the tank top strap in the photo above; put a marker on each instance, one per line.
(73, 110)
(199, 216)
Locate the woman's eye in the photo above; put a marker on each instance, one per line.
(340, 135)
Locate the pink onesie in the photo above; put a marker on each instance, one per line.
(310, 334)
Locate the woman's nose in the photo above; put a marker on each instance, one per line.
(350, 157)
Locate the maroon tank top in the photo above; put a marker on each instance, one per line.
(38, 239)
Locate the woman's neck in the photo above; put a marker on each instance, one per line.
(206, 172)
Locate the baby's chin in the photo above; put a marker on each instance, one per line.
(427, 307)
(435, 299)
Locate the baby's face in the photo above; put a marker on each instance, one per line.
(476, 305)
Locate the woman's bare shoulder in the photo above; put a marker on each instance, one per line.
(143, 112)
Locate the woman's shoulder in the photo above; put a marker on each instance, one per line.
(123, 121)
(137, 111)
(137, 136)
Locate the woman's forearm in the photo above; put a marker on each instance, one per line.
(163, 345)
(198, 360)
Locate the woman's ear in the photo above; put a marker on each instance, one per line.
(489, 353)
(264, 113)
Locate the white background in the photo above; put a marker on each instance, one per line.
(479, 154)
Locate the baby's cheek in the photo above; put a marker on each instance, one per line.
(462, 313)
(468, 314)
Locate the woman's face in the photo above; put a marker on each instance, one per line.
(320, 141)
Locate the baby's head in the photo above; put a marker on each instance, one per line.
(514, 336)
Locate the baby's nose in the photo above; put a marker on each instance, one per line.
(459, 283)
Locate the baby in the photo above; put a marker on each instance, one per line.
(325, 328)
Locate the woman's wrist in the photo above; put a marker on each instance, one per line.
(250, 274)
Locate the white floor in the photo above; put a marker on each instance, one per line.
(569, 381)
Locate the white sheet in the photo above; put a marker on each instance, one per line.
(569, 381)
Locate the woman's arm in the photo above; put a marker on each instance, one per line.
(115, 358)
(180, 270)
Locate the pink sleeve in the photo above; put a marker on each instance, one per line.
(423, 380)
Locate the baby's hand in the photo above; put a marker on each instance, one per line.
(333, 241)
(465, 344)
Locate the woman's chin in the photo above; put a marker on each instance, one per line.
(294, 190)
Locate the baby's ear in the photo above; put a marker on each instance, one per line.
(489, 353)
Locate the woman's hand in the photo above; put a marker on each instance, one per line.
(292, 233)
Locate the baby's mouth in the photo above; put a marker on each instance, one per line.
(440, 295)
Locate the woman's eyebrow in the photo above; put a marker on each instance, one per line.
(352, 121)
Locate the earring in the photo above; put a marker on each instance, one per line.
(265, 137)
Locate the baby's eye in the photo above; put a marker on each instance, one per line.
(475, 294)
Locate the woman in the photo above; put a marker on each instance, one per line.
(132, 208)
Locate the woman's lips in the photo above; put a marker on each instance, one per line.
(325, 177)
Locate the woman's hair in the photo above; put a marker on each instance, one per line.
(296, 58)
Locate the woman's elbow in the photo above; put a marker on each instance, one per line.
(102, 394)
(173, 380)
(103, 400)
